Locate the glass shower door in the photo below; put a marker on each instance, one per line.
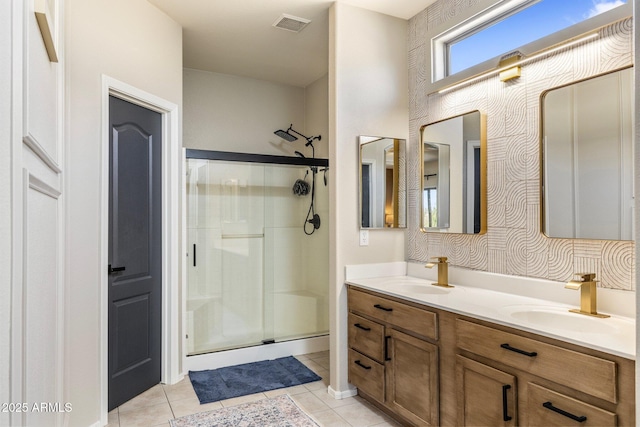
(253, 275)
(225, 209)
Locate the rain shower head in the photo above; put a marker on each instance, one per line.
(287, 136)
(284, 134)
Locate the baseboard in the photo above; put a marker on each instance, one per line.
(342, 394)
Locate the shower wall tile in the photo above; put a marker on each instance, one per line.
(514, 243)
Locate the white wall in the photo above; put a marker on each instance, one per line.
(134, 42)
(316, 109)
(231, 113)
(368, 86)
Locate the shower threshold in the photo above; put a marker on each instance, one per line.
(256, 353)
(258, 344)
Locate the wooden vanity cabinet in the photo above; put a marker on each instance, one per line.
(391, 359)
(428, 366)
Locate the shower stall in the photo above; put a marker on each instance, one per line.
(257, 268)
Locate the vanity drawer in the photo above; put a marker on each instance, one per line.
(410, 318)
(549, 408)
(367, 375)
(589, 374)
(367, 337)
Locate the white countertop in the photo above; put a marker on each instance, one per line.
(614, 335)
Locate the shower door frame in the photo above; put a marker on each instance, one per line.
(255, 158)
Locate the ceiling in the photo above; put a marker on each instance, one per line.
(237, 37)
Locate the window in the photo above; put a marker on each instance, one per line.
(536, 20)
(507, 26)
(430, 202)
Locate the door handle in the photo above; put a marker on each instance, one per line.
(505, 405)
(194, 254)
(115, 269)
(386, 348)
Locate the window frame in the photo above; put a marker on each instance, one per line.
(477, 17)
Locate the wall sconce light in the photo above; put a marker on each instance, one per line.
(510, 73)
(521, 62)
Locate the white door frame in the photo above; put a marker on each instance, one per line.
(172, 154)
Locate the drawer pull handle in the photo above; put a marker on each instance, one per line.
(379, 307)
(359, 326)
(550, 406)
(359, 363)
(517, 350)
(505, 412)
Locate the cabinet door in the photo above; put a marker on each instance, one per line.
(412, 378)
(486, 396)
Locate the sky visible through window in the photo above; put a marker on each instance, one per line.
(539, 20)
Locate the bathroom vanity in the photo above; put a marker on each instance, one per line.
(433, 356)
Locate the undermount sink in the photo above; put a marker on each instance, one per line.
(560, 319)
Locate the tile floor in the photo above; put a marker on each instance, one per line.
(164, 402)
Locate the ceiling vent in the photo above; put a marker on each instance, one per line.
(291, 23)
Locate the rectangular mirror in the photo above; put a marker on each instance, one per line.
(454, 175)
(587, 158)
(382, 182)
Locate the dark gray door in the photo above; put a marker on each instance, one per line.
(135, 282)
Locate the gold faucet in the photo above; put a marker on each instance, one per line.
(443, 271)
(588, 298)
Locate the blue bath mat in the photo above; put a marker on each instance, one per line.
(240, 380)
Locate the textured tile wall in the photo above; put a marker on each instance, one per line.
(513, 243)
